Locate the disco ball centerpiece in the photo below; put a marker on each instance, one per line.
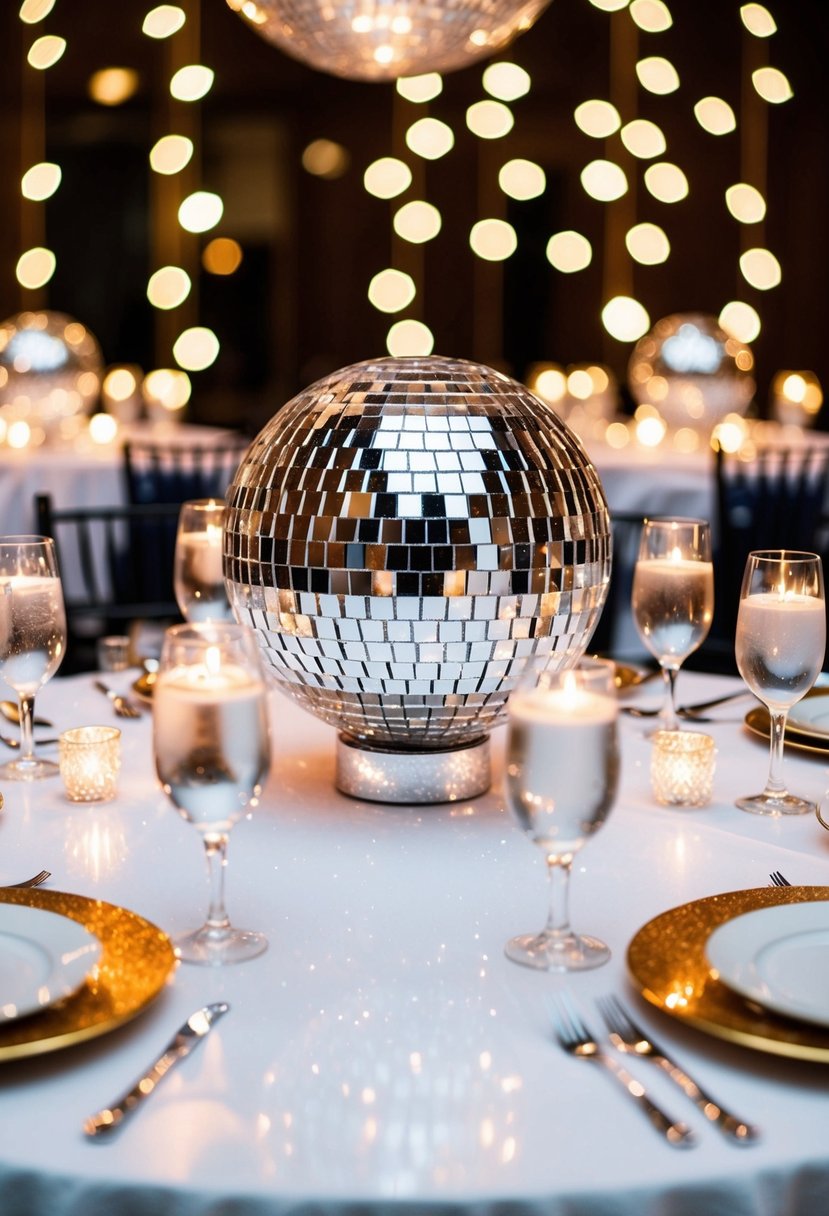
(50, 370)
(385, 39)
(692, 371)
(403, 535)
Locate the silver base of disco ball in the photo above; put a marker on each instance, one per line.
(377, 774)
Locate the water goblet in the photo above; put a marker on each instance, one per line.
(32, 638)
(780, 644)
(198, 579)
(561, 778)
(673, 597)
(212, 752)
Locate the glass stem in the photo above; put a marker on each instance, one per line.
(774, 784)
(215, 848)
(27, 713)
(669, 718)
(558, 917)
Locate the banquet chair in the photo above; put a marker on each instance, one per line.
(616, 620)
(777, 500)
(157, 472)
(116, 567)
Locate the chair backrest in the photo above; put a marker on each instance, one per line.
(158, 473)
(614, 632)
(116, 566)
(777, 500)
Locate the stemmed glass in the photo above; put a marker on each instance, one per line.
(32, 637)
(198, 580)
(212, 751)
(673, 597)
(780, 644)
(562, 773)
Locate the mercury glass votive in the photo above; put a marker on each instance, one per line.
(90, 759)
(682, 767)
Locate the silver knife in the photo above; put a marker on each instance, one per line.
(188, 1036)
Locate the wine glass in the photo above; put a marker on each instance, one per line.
(780, 643)
(212, 751)
(198, 579)
(673, 597)
(561, 778)
(32, 637)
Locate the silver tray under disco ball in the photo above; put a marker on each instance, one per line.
(403, 535)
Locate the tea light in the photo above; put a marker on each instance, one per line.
(90, 758)
(682, 767)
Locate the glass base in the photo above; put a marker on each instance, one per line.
(218, 947)
(28, 770)
(557, 951)
(776, 805)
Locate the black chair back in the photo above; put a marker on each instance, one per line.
(776, 500)
(157, 472)
(116, 567)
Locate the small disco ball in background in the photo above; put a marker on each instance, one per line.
(50, 371)
(404, 535)
(386, 39)
(691, 371)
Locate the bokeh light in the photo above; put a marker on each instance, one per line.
(417, 221)
(652, 16)
(604, 180)
(758, 20)
(387, 177)
(192, 82)
(391, 290)
(740, 320)
(196, 348)
(168, 287)
(506, 81)
(409, 338)
(222, 256)
(35, 267)
(760, 268)
(113, 86)
(171, 154)
(666, 182)
(46, 51)
(625, 319)
(162, 21)
(657, 75)
(715, 116)
(41, 181)
(745, 203)
(597, 118)
(489, 119)
(569, 251)
(493, 240)
(643, 138)
(522, 179)
(772, 85)
(200, 211)
(647, 243)
(430, 138)
(325, 158)
(421, 88)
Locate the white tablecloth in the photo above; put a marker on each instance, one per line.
(384, 1054)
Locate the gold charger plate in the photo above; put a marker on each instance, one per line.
(667, 959)
(758, 722)
(134, 965)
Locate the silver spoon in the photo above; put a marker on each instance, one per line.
(11, 712)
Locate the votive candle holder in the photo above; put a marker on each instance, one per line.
(682, 767)
(90, 760)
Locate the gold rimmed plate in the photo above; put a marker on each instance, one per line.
(136, 960)
(667, 960)
(758, 722)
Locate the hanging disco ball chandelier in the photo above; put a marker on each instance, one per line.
(386, 39)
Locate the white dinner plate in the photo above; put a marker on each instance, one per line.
(811, 715)
(44, 957)
(779, 957)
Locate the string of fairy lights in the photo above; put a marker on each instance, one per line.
(394, 291)
(602, 178)
(195, 347)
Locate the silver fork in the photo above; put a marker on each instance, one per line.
(777, 879)
(122, 707)
(34, 881)
(575, 1038)
(632, 1039)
